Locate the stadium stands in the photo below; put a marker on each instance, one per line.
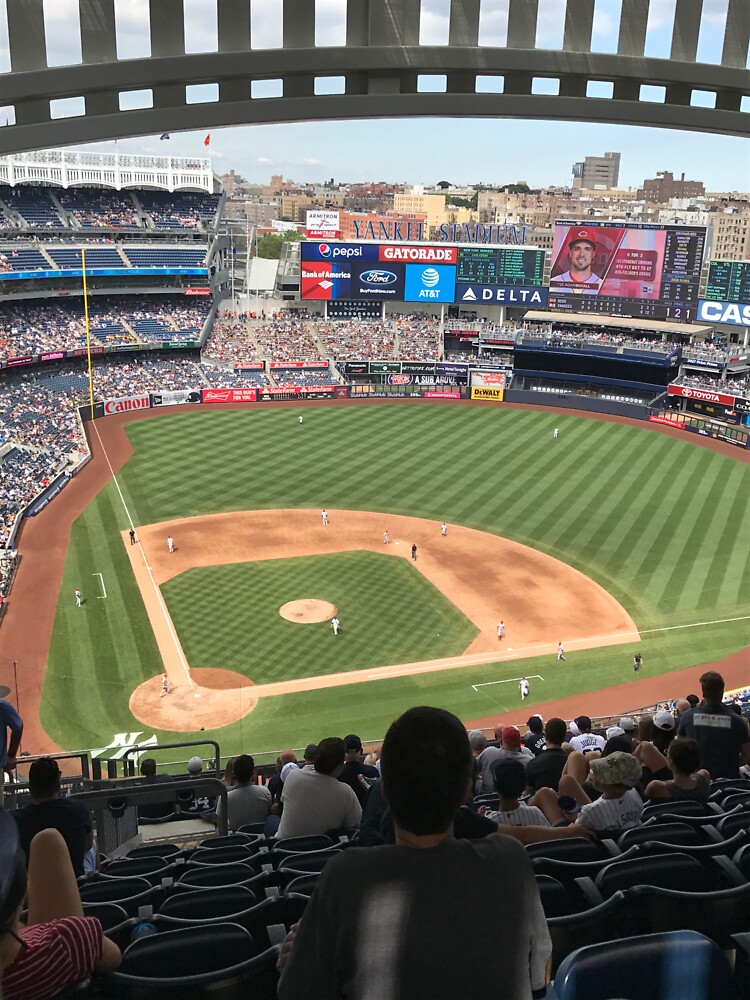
(92, 208)
(179, 209)
(34, 206)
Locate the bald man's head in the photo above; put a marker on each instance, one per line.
(682, 706)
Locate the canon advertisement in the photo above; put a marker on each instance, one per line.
(127, 404)
(636, 270)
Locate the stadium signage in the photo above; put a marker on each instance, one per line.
(723, 312)
(687, 392)
(442, 255)
(442, 395)
(292, 364)
(125, 405)
(52, 356)
(410, 232)
(322, 225)
(197, 291)
(504, 295)
(481, 392)
(25, 359)
(250, 366)
(229, 395)
(375, 276)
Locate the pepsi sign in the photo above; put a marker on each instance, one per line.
(310, 250)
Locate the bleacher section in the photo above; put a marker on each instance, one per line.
(157, 256)
(96, 256)
(97, 209)
(14, 258)
(33, 204)
(179, 209)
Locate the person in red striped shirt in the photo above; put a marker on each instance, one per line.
(59, 946)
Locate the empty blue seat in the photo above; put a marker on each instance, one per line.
(679, 966)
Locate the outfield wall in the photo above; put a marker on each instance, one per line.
(573, 401)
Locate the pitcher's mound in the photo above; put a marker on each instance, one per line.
(308, 611)
(218, 698)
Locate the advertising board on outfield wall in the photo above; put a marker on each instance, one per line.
(485, 392)
(172, 397)
(229, 395)
(494, 380)
(127, 404)
(706, 395)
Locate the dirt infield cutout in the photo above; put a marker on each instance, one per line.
(308, 611)
(489, 578)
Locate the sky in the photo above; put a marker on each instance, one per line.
(462, 151)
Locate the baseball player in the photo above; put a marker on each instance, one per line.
(414, 552)
(386, 538)
(443, 529)
(501, 630)
(164, 686)
(78, 598)
(523, 687)
(556, 433)
(560, 652)
(132, 536)
(335, 625)
(324, 518)
(637, 660)
(170, 544)
(300, 419)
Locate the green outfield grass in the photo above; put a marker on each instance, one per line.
(657, 521)
(228, 616)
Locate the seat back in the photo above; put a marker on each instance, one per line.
(232, 840)
(302, 863)
(223, 901)
(669, 871)
(679, 807)
(208, 876)
(718, 914)
(303, 845)
(680, 965)
(674, 833)
(567, 871)
(115, 890)
(555, 901)
(301, 885)
(574, 930)
(109, 915)
(226, 855)
(572, 849)
(154, 851)
(729, 825)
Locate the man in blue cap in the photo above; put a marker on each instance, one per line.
(9, 720)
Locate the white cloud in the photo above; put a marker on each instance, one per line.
(434, 22)
(330, 22)
(493, 22)
(264, 159)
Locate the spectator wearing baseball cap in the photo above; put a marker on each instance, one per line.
(201, 805)
(620, 805)
(353, 768)
(534, 740)
(511, 748)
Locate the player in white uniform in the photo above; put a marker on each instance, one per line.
(300, 418)
(170, 543)
(443, 529)
(324, 518)
(335, 625)
(501, 630)
(560, 652)
(386, 538)
(78, 598)
(523, 687)
(164, 686)
(556, 433)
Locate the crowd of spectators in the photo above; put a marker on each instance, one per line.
(99, 209)
(555, 336)
(355, 339)
(231, 339)
(179, 209)
(286, 339)
(417, 338)
(34, 327)
(301, 376)
(739, 386)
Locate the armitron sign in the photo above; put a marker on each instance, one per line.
(124, 405)
(706, 395)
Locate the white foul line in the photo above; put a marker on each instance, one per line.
(716, 621)
(507, 680)
(159, 598)
(103, 595)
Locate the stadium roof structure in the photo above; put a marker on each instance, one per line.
(618, 322)
(379, 72)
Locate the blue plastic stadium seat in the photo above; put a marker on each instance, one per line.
(718, 914)
(677, 966)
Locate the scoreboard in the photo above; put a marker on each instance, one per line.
(728, 281)
(500, 266)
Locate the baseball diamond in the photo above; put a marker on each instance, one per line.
(239, 487)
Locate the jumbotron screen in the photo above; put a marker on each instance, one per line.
(638, 270)
(729, 281)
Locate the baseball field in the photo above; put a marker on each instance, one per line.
(612, 538)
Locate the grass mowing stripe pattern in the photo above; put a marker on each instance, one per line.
(655, 520)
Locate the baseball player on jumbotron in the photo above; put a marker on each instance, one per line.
(581, 251)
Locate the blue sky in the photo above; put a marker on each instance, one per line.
(424, 150)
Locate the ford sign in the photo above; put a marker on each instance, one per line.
(378, 277)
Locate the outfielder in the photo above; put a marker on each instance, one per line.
(523, 687)
(556, 433)
(300, 418)
(335, 625)
(78, 598)
(560, 652)
(637, 660)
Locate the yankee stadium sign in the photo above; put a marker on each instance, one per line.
(417, 232)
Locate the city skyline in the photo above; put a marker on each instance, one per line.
(492, 152)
